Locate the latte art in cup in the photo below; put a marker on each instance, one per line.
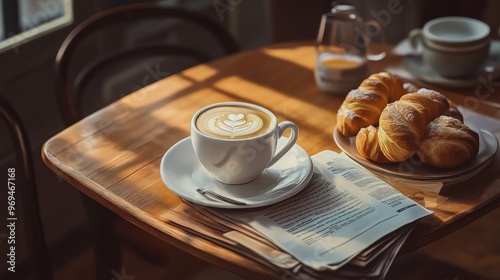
(236, 141)
(233, 122)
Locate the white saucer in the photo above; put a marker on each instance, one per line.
(488, 146)
(183, 174)
(422, 71)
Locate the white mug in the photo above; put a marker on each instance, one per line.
(455, 47)
(237, 141)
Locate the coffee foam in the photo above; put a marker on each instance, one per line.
(233, 122)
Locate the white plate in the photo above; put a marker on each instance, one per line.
(182, 173)
(414, 169)
(422, 71)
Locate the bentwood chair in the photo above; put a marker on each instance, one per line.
(24, 187)
(114, 53)
(122, 49)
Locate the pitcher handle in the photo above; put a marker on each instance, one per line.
(380, 32)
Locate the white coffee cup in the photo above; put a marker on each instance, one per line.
(455, 47)
(237, 141)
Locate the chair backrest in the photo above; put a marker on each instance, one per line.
(22, 182)
(104, 59)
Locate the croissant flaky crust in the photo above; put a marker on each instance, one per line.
(417, 124)
(448, 143)
(367, 144)
(403, 123)
(362, 106)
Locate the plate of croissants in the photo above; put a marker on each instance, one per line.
(397, 129)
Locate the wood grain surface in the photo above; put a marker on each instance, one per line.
(113, 156)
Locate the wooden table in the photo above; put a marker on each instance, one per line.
(113, 156)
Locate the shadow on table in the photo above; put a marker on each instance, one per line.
(417, 266)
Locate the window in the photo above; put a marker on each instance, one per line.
(24, 20)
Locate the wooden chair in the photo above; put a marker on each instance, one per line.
(24, 186)
(97, 53)
(104, 50)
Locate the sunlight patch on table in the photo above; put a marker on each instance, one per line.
(199, 73)
(244, 89)
(291, 55)
(285, 106)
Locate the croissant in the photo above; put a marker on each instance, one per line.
(402, 124)
(425, 123)
(448, 143)
(367, 144)
(362, 106)
(453, 109)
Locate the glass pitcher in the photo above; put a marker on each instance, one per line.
(342, 49)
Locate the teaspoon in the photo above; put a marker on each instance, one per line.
(219, 196)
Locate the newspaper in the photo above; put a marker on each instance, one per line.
(372, 263)
(345, 217)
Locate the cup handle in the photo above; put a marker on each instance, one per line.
(380, 31)
(415, 39)
(282, 127)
